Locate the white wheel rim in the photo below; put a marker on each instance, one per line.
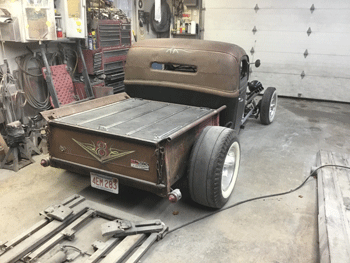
(273, 106)
(230, 170)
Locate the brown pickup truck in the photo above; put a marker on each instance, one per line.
(184, 105)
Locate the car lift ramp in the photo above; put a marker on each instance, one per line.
(81, 231)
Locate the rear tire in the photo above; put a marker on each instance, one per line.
(214, 166)
(268, 106)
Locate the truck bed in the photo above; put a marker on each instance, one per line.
(143, 143)
(137, 118)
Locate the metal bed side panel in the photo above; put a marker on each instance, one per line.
(178, 150)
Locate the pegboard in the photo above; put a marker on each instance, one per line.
(63, 84)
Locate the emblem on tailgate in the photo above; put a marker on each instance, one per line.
(100, 151)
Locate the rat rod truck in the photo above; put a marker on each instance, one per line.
(184, 105)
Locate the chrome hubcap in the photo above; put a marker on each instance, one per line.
(230, 170)
(227, 171)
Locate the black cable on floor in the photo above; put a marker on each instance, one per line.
(259, 197)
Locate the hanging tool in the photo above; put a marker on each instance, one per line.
(49, 79)
(88, 88)
(147, 20)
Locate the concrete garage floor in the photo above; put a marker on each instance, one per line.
(275, 158)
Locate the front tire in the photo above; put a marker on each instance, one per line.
(268, 106)
(214, 166)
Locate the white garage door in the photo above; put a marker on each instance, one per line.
(311, 65)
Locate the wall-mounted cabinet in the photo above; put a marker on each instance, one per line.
(28, 20)
(42, 20)
(71, 18)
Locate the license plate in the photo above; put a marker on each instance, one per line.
(106, 183)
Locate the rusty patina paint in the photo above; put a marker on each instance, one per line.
(137, 161)
(83, 106)
(217, 65)
(178, 150)
(150, 165)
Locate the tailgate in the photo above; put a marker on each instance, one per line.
(133, 162)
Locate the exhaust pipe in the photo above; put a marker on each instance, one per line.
(45, 162)
(174, 196)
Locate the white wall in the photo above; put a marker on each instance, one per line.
(281, 40)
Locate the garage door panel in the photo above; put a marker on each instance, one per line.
(299, 20)
(261, 41)
(280, 4)
(334, 4)
(281, 40)
(286, 63)
(288, 85)
(268, 68)
(294, 42)
(229, 4)
(262, 4)
(328, 21)
(238, 19)
(331, 21)
(328, 88)
(291, 42)
(300, 4)
(329, 69)
(285, 42)
(289, 68)
(279, 82)
(290, 20)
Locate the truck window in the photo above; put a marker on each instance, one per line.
(174, 67)
(244, 69)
